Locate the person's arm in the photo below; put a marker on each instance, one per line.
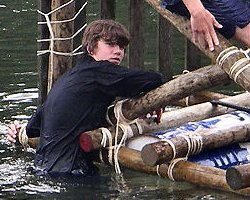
(125, 82)
(202, 24)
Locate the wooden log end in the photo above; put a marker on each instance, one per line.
(234, 179)
(86, 143)
(149, 155)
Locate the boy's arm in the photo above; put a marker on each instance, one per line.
(202, 24)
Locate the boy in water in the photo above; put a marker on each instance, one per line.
(79, 99)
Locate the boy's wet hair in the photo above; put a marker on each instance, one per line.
(108, 30)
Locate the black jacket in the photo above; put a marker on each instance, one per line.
(77, 103)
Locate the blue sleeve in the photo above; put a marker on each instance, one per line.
(33, 126)
(125, 82)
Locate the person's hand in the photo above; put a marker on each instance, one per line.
(202, 25)
(13, 131)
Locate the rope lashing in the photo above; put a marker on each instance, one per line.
(53, 38)
(171, 167)
(240, 65)
(22, 136)
(194, 142)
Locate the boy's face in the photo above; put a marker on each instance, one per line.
(106, 51)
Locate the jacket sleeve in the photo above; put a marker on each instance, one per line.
(126, 82)
(33, 126)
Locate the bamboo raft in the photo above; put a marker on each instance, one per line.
(171, 158)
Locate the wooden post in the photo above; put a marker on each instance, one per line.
(136, 46)
(107, 9)
(165, 49)
(61, 63)
(43, 60)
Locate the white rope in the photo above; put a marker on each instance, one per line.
(106, 134)
(171, 167)
(158, 170)
(22, 136)
(139, 127)
(240, 71)
(118, 113)
(52, 36)
(194, 142)
(236, 65)
(225, 54)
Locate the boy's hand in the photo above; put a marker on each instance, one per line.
(13, 131)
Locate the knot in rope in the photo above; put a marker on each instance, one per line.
(22, 136)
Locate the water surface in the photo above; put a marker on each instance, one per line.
(18, 96)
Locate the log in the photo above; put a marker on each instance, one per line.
(160, 152)
(171, 119)
(199, 97)
(182, 171)
(184, 85)
(197, 112)
(183, 26)
(236, 64)
(238, 177)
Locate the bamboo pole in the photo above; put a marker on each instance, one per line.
(182, 171)
(92, 139)
(160, 152)
(238, 177)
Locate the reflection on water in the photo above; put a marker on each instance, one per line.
(18, 95)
